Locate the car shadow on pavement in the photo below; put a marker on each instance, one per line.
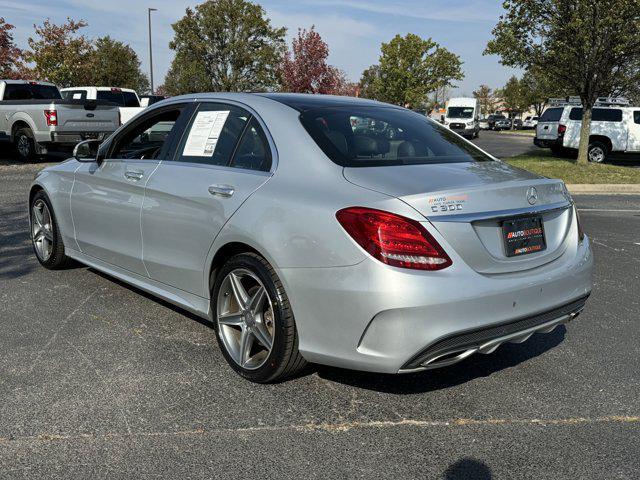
(476, 366)
(17, 257)
(468, 468)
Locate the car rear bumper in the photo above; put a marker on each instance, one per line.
(71, 138)
(547, 143)
(377, 318)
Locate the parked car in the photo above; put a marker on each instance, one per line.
(126, 98)
(502, 124)
(613, 129)
(373, 254)
(462, 116)
(492, 119)
(147, 100)
(484, 123)
(35, 118)
(530, 122)
(517, 124)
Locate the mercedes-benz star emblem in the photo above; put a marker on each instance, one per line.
(532, 195)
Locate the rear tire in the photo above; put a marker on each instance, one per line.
(597, 152)
(24, 144)
(45, 234)
(258, 362)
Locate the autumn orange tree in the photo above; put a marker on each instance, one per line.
(10, 54)
(305, 69)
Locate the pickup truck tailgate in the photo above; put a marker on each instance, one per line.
(87, 117)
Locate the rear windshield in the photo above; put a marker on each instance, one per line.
(354, 136)
(27, 91)
(460, 112)
(551, 115)
(598, 114)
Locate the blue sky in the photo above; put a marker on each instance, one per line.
(354, 29)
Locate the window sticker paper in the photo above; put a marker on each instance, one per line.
(204, 134)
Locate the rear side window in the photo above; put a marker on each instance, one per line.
(369, 136)
(636, 116)
(551, 115)
(130, 99)
(598, 114)
(253, 152)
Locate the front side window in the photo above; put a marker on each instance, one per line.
(636, 116)
(146, 139)
(385, 136)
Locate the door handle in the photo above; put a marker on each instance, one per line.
(134, 174)
(221, 190)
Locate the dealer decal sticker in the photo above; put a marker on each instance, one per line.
(447, 203)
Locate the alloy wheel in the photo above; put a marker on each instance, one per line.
(42, 230)
(245, 319)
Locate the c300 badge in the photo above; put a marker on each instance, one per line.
(447, 203)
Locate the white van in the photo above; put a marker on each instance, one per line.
(463, 115)
(613, 129)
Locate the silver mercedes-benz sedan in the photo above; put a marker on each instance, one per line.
(322, 229)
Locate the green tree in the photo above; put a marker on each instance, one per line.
(513, 98)
(537, 88)
(588, 47)
(369, 81)
(116, 64)
(410, 68)
(59, 54)
(225, 45)
(486, 98)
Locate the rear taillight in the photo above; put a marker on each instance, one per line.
(392, 239)
(51, 117)
(562, 129)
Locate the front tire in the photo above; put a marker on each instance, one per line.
(24, 144)
(45, 234)
(597, 152)
(254, 322)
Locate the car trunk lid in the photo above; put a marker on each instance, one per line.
(468, 203)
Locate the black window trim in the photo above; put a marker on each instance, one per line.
(175, 155)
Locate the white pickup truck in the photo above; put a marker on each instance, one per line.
(127, 99)
(35, 118)
(613, 129)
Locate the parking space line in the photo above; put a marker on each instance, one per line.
(338, 427)
(609, 210)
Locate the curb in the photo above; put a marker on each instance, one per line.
(605, 189)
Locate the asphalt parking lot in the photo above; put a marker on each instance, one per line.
(98, 380)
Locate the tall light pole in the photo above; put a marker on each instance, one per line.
(149, 10)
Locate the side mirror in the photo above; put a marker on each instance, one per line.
(86, 151)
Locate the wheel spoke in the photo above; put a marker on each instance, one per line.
(257, 300)
(231, 319)
(47, 234)
(262, 335)
(37, 216)
(246, 342)
(239, 292)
